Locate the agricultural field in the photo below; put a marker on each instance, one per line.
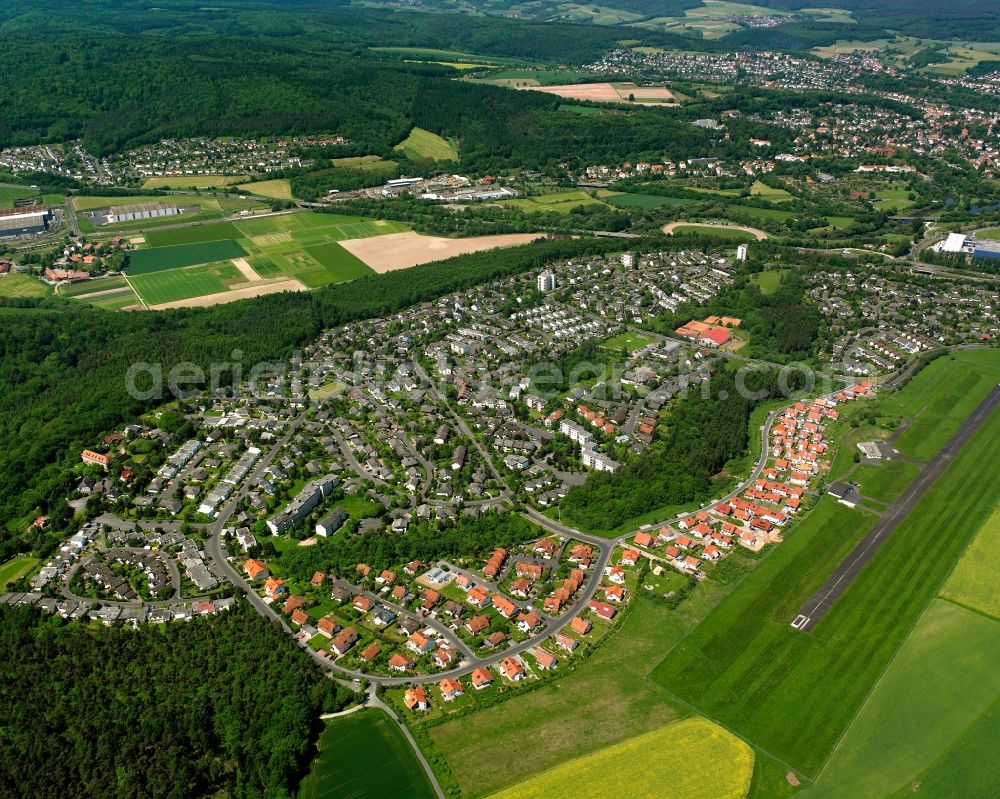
(939, 398)
(366, 163)
(627, 200)
(176, 256)
(209, 209)
(610, 93)
(559, 201)
(11, 194)
(596, 14)
(364, 755)
(226, 261)
(604, 701)
(764, 214)
(792, 693)
(847, 46)
(437, 56)
(974, 583)
(403, 250)
(92, 286)
(192, 235)
(193, 181)
(16, 568)
(967, 763)
(109, 293)
(117, 300)
(765, 192)
(171, 285)
(15, 285)
(424, 144)
(700, 745)
(278, 189)
(524, 78)
(904, 728)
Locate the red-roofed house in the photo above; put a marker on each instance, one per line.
(450, 689)
(415, 698)
(512, 669)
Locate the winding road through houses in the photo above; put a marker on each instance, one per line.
(604, 546)
(215, 551)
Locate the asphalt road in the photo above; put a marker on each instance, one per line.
(817, 606)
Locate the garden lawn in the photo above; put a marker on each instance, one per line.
(717, 765)
(792, 693)
(15, 569)
(943, 679)
(769, 280)
(364, 755)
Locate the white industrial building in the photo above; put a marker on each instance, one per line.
(132, 213)
(954, 243)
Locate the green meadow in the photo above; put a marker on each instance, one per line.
(364, 755)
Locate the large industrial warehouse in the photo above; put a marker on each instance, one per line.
(24, 221)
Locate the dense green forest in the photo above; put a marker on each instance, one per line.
(705, 430)
(116, 74)
(227, 705)
(117, 92)
(62, 366)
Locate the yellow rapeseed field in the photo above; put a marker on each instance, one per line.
(689, 759)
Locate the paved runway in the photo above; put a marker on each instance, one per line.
(816, 607)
